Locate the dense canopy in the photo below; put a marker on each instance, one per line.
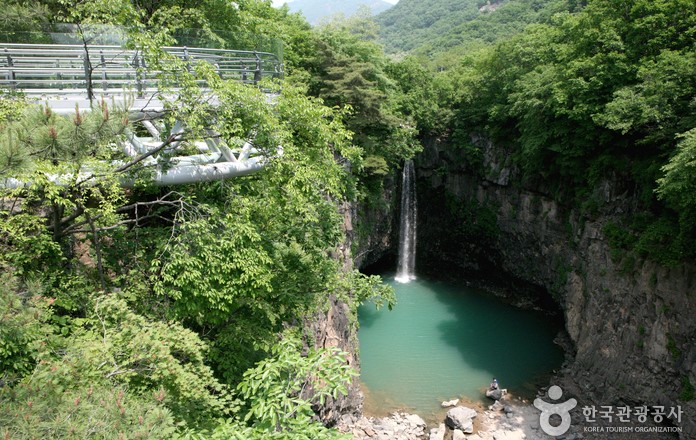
(181, 310)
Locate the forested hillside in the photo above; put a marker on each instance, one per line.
(442, 31)
(153, 312)
(410, 23)
(579, 93)
(181, 311)
(603, 93)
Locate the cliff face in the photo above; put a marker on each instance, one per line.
(632, 325)
(370, 228)
(337, 325)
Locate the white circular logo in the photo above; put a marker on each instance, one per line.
(549, 409)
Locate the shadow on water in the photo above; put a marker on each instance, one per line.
(445, 340)
(514, 345)
(368, 311)
(369, 315)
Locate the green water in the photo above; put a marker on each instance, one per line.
(443, 340)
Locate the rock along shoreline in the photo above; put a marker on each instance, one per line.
(507, 419)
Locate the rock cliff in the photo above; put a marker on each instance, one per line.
(631, 321)
(337, 325)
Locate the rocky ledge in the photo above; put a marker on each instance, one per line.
(506, 419)
(501, 421)
(401, 426)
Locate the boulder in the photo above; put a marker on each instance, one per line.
(448, 403)
(496, 394)
(348, 419)
(458, 435)
(415, 420)
(460, 418)
(497, 406)
(438, 433)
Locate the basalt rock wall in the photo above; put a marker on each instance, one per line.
(631, 321)
(369, 237)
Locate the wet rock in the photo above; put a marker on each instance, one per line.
(448, 403)
(496, 394)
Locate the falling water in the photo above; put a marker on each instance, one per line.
(407, 231)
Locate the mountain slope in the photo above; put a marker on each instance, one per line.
(315, 10)
(429, 27)
(412, 22)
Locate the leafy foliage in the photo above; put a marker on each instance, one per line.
(678, 186)
(593, 95)
(22, 327)
(276, 388)
(352, 72)
(166, 307)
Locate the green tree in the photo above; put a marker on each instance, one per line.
(163, 297)
(351, 73)
(24, 22)
(23, 327)
(600, 93)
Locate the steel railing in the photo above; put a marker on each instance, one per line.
(63, 70)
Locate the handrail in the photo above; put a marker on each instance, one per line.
(58, 69)
(70, 76)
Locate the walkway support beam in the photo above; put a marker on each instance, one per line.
(64, 76)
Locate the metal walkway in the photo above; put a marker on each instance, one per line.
(68, 76)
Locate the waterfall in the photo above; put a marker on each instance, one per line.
(407, 230)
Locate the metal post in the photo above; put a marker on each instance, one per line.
(138, 76)
(10, 70)
(103, 64)
(88, 74)
(257, 72)
(187, 58)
